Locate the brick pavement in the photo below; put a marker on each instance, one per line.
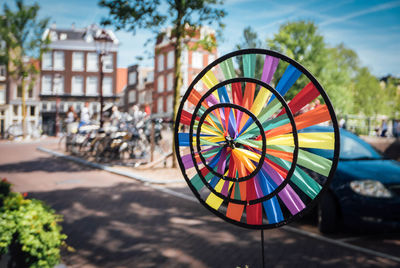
(112, 221)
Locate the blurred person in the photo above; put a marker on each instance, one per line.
(85, 115)
(342, 123)
(384, 128)
(115, 116)
(71, 115)
(396, 128)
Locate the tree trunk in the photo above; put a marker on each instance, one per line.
(177, 85)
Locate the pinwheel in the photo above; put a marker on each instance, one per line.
(243, 138)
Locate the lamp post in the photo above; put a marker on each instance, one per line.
(103, 42)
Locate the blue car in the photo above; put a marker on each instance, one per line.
(365, 190)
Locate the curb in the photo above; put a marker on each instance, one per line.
(106, 168)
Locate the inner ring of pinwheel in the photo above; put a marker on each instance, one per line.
(231, 143)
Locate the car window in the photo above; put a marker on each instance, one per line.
(354, 148)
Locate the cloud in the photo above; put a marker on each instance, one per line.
(370, 10)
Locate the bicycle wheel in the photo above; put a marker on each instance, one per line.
(248, 141)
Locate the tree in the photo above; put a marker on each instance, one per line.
(250, 40)
(368, 93)
(302, 42)
(184, 15)
(21, 30)
(334, 67)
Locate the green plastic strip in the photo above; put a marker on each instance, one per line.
(249, 65)
(228, 69)
(308, 160)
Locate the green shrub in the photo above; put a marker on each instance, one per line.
(29, 232)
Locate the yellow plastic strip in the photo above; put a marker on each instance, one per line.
(261, 99)
(243, 153)
(219, 186)
(212, 139)
(209, 130)
(317, 140)
(214, 201)
(210, 81)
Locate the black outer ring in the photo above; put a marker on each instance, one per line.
(264, 143)
(335, 159)
(294, 132)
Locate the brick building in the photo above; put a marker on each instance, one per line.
(70, 74)
(140, 87)
(193, 61)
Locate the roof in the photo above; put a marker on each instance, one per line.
(122, 79)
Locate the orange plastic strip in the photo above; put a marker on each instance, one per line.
(234, 211)
(310, 118)
(280, 154)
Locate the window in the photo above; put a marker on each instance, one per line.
(211, 58)
(160, 84)
(150, 77)
(59, 60)
(92, 62)
(32, 111)
(47, 61)
(132, 78)
(170, 82)
(170, 60)
(197, 60)
(132, 96)
(16, 110)
(59, 84)
(170, 103)
(2, 94)
(77, 61)
(91, 85)
(3, 71)
(160, 108)
(160, 63)
(108, 63)
(107, 86)
(77, 85)
(141, 97)
(46, 84)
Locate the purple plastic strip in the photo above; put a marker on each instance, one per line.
(287, 194)
(270, 64)
(187, 161)
(225, 188)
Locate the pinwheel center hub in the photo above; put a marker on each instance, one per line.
(230, 142)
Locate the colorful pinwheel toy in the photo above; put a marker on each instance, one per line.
(242, 143)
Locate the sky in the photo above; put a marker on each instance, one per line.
(370, 27)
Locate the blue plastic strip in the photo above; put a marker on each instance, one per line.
(271, 206)
(289, 77)
(223, 95)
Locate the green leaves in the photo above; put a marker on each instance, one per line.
(30, 232)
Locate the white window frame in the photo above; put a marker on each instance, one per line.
(46, 84)
(160, 83)
(197, 60)
(75, 90)
(132, 96)
(107, 86)
(170, 103)
(89, 86)
(170, 81)
(170, 59)
(47, 61)
(108, 63)
(58, 85)
(76, 64)
(160, 63)
(90, 58)
(160, 105)
(59, 60)
(132, 77)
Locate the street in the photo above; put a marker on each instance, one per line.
(114, 221)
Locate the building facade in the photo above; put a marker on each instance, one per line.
(140, 87)
(194, 59)
(70, 74)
